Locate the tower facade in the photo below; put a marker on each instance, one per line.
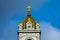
(29, 29)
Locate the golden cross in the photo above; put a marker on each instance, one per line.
(28, 7)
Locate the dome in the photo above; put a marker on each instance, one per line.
(29, 19)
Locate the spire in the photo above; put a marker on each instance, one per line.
(28, 7)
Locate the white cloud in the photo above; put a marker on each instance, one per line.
(49, 32)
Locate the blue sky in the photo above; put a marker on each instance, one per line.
(46, 12)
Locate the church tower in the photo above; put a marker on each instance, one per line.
(29, 29)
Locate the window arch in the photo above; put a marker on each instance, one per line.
(29, 38)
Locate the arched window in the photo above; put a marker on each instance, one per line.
(28, 25)
(29, 39)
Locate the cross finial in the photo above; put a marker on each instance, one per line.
(28, 7)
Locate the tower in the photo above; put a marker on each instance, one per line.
(29, 29)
